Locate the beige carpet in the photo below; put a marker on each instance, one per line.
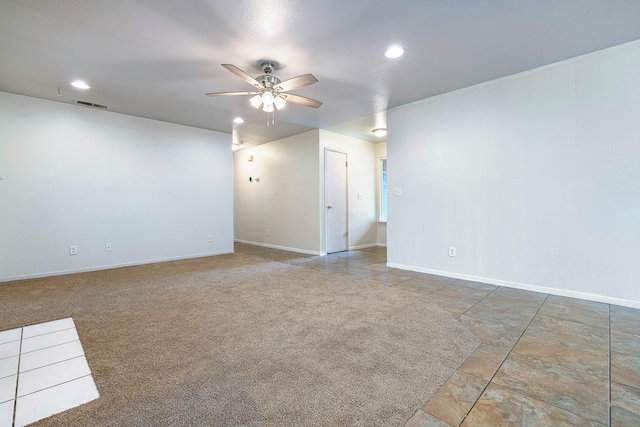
(232, 340)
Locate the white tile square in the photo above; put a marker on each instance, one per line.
(8, 366)
(6, 414)
(10, 335)
(8, 388)
(45, 403)
(49, 340)
(9, 349)
(51, 375)
(50, 355)
(48, 327)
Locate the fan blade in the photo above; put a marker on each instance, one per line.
(296, 82)
(244, 76)
(297, 99)
(231, 93)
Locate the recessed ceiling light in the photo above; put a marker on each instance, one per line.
(394, 52)
(238, 120)
(80, 84)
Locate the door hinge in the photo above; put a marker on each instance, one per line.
(346, 164)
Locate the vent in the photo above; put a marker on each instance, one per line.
(91, 104)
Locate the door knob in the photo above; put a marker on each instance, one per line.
(329, 207)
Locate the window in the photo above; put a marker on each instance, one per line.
(383, 190)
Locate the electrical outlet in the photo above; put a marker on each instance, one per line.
(266, 232)
(73, 250)
(107, 247)
(452, 251)
(397, 191)
(210, 238)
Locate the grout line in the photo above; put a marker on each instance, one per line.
(574, 321)
(51, 346)
(15, 396)
(610, 403)
(54, 363)
(56, 385)
(49, 333)
(505, 359)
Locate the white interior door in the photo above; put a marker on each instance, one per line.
(336, 201)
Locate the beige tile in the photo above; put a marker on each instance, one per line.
(422, 419)
(484, 361)
(420, 286)
(436, 278)
(576, 310)
(491, 333)
(457, 299)
(452, 402)
(475, 285)
(565, 388)
(625, 405)
(520, 293)
(388, 278)
(625, 318)
(577, 346)
(500, 406)
(625, 369)
(511, 315)
(625, 342)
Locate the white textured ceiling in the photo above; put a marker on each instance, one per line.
(157, 58)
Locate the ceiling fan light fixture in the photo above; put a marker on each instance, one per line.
(279, 102)
(268, 108)
(380, 132)
(256, 101)
(267, 98)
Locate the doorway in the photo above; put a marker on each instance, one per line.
(336, 201)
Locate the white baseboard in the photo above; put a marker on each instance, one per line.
(523, 286)
(382, 245)
(368, 245)
(283, 248)
(108, 267)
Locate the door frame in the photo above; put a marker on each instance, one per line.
(326, 202)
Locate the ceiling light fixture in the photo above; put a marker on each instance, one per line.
(238, 120)
(394, 51)
(270, 93)
(80, 84)
(380, 132)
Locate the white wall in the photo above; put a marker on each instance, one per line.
(77, 176)
(381, 231)
(286, 199)
(361, 178)
(534, 178)
(289, 198)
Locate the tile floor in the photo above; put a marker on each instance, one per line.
(43, 371)
(544, 360)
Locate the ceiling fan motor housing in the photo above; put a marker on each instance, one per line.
(268, 80)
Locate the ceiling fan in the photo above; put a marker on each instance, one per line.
(270, 92)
